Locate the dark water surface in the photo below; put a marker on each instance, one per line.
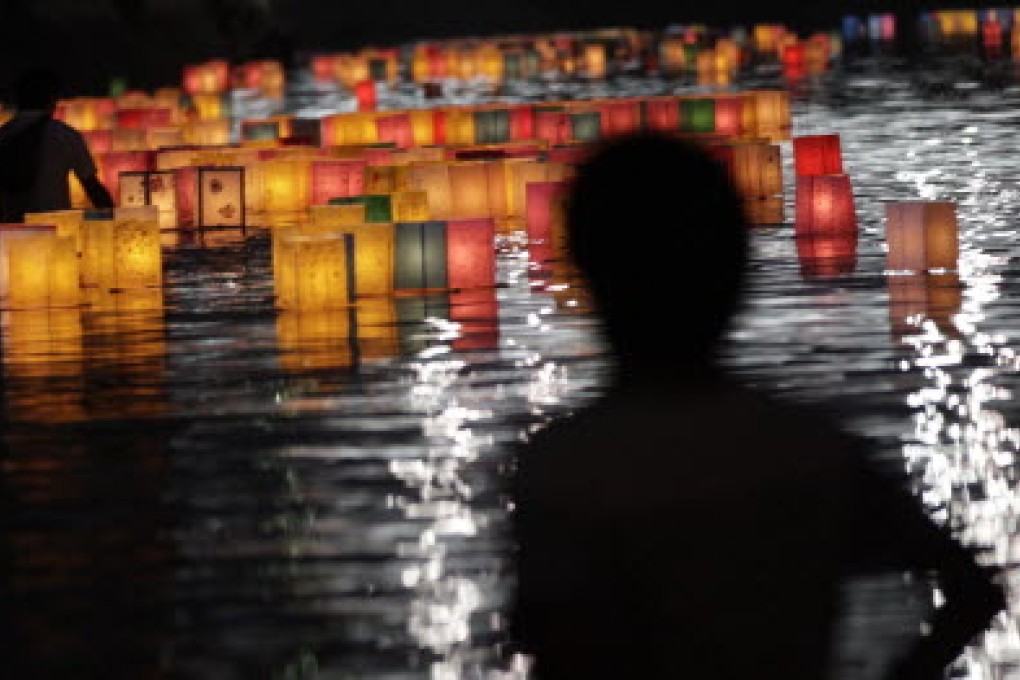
(219, 490)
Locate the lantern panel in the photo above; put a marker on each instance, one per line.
(221, 197)
(825, 207)
(421, 261)
(313, 272)
(817, 155)
(922, 235)
(137, 256)
(471, 253)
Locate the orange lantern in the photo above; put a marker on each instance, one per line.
(921, 235)
(115, 162)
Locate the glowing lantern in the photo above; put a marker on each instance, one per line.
(410, 206)
(420, 256)
(756, 168)
(115, 162)
(470, 253)
(794, 55)
(729, 116)
(128, 139)
(595, 61)
(697, 116)
(663, 115)
(365, 92)
(825, 207)
(10, 233)
(67, 222)
(477, 189)
(492, 127)
(123, 252)
(853, 28)
(378, 207)
(520, 173)
(315, 339)
(285, 186)
(144, 118)
(381, 179)
(620, 117)
(458, 127)
(209, 107)
(156, 138)
(260, 130)
(552, 127)
(42, 270)
(207, 132)
(395, 129)
(209, 78)
(771, 112)
(313, 271)
(221, 197)
(586, 126)
(546, 237)
(156, 188)
(991, 34)
(98, 141)
(337, 179)
(817, 155)
(882, 27)
(921, 235)
(434, 180)
(373, 245)
(821, 256)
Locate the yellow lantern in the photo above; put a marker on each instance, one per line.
(285, 188)
(157, 138)
(41, 270)
(207, 132)
(221, 197)
(520, 173)
(43, 344)
(434, 180)
(380, 179)
(123, 252)
(477, 190)
(460, 127)
(67, 222)
(208, 106)
(423, 127)
(595, 60)
(921, 235)
(767, 113)
(129, 139)
(313, 271)
(373, 245)
(410, 206)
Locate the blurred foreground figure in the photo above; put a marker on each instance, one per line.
(684, 526)
(37, 153)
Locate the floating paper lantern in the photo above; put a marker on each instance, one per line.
(729, 116)
(337, 179)
(771, 111)
(546, 237)
(663, 115)
(817, 155)
(492, 127)
(123, 252)
(365, 92)
(620, 117)
(42, 271)
(756, 168)
(378, 207)
(420, 256)
(115, 162)
(10, 233)
(697, 116)
(395, 129)
(68, 224)
(552, 127)
(586, 126)
(209, 78)
(380, 179)
(822, 256)
(98, 141)
(825, 207)
(144, 118)
(207, 132)
(260, 130)
(373, 244)
(156, 188)
(221, 197)
(410, 206)
(477, 189)
(921, 235)
(470, 253)
(434, 180)
(285, 186)
(209, 107)
(314, 271)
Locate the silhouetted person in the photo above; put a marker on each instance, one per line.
(684, 526)
(37, 153)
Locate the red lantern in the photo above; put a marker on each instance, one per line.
(522, 123)
(729, 116)
(793, 56)
(663, 115)
(396, 129)
(98, 141)
(375, 157)
(569, 155)
(366, 95)
(825, 207)
(337, 179)
(140, 119)
(112, 163)
(821, 256)
(552, 127)
(991, 34)
(186, 186)
(471, 253)
(817, 155)
(543, 202)
(620, 117)
(324, 68)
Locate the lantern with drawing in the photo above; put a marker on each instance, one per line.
(123, 252)
(220, 197)
(921, 235)
(156, 188)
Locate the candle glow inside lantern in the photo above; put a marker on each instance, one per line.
(10, 233)
(314, 271)
(825, 207)
(477, 189)
(284, 186)
(663, 115)
(395, 129)
(817, 155)
(373, 245)
(921, 235)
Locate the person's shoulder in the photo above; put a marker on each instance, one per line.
(62, 130)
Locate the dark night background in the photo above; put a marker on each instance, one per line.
(147, 41)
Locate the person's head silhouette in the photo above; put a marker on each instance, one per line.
(656, 226)
(37, 90)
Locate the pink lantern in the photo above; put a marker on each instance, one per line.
(729, 116)
(337, 179)
(543, 200)
(396, 129)
(552, 127)
(825, 207)
(471, 253)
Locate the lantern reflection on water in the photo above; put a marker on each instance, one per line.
(822, 256)
(42, 365)
(315, 340)
(914, 298)
(313, 271)
(921, 235)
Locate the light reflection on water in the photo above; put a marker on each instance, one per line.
(297, 495)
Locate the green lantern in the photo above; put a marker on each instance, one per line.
(420, 256)
(697, 116)
(586, 126)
